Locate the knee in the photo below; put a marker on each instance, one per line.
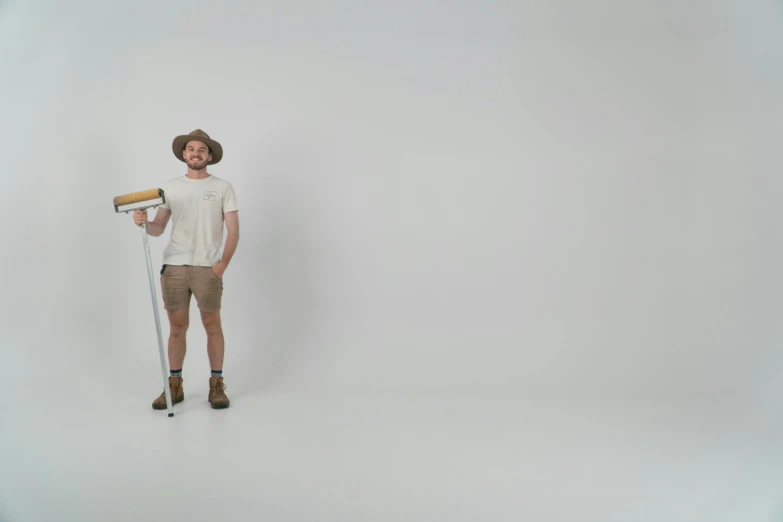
(179, 329)
(178, 321)
(212, 325)
(213, 329)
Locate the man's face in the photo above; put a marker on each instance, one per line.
(196, 155)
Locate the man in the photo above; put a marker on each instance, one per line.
(199, 204)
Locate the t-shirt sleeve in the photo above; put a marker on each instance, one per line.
(229, 198)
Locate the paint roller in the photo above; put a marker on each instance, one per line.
(141, 201)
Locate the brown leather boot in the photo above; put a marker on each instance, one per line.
(217, 393)
(177, 394)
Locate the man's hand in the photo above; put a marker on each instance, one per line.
(140, 217)
(219, 270)
(156, 227)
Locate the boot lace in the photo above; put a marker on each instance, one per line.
(219, 387)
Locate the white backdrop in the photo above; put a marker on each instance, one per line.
(526, 197)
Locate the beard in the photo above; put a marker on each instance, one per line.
(197, 164)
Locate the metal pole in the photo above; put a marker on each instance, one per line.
(163, 368)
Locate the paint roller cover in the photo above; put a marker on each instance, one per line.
(138, 197)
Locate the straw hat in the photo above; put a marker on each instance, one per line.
(178, 145)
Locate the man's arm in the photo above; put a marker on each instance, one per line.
(157, 226)
(232, 226)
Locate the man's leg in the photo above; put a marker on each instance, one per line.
(215, 340)
(179, 321)
(208, 289)
(215, 350)
(176, 300)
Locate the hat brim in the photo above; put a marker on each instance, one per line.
(178, 147)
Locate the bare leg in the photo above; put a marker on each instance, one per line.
(215, 341)
(178, 321)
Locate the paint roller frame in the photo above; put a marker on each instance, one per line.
(138, 197)
(143, 197)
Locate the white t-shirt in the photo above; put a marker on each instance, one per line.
(197, 208)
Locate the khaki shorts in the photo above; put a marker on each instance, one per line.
(178, 283)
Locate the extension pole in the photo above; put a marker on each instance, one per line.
(139, 197)
(154, 296)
